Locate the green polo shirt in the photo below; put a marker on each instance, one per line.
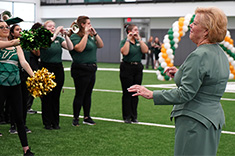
(54, 53)
(88, 55)
(9, 71)
(134, 54)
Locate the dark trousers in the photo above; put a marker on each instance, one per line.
(13, 95)
(51, 101)
(84, 81)
(130, 75)
(149, 58)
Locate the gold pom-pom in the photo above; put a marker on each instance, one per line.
(41, 83)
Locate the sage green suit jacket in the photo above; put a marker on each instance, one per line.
(201, 81)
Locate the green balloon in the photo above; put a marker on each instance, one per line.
(167, 77)
(171, 37)
(170, 31)
(172, 43)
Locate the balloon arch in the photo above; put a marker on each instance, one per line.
(173, 37)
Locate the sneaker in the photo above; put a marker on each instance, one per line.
(0, 134)
(27, 130)
(28, 153)
(75, 122)
(128, 121)
(13, 130)
(88, 121)
(31, 111)
(134, 121)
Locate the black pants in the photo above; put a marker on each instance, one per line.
(13, 95)
(84, 81)
(25, 97)
(149, 58)
(51, 101)
(130, 75)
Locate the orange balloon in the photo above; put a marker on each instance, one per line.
(179, 38)
(181, 19)
(181, 23)
(164, 55)
(168, 60)
(233, 72)
(231, 41)
(231, 68)
(163, 50)
(170, 65)
(180, 28)
(226, 38)
(162, 46)
(181, 33)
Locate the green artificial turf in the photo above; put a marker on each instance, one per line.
(109, 138)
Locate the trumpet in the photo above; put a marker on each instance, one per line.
(5, 15)
(74, 28)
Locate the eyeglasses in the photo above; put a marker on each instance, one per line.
(2, 27)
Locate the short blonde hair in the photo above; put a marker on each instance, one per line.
(215, 21)
(48, 21)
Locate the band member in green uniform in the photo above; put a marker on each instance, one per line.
(201, 81)
(10, 83)
(131, 70)
(83, 69)
(51, 58)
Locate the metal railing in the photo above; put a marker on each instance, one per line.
(79, 2)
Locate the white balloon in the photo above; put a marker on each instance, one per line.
(161, 59)
(160, 77)
(163, 64)
(176, 34)
(185, 28)
(230, 46)
(158, 72)
(228, 33)
(166, 36)
(169, 51)
(167, 45)
(160, 55)
(175, 24)
(226, 44)
(233, 63)
(186, 23)
(222, 42)
(188, 17)
(230, 59)
(176, 45)
(172, 61)
(233, 50)
(176, 40)
(175, 29)
(166, 40)
(231, 76)
(171, 57)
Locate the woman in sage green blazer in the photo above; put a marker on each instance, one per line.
(201, 81)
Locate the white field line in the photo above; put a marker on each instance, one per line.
(139, 123)
(119, 91)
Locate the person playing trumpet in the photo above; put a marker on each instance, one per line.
(131, 70)
(83, 69)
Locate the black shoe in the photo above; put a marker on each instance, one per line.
(31, 111)
(13, 130)
(0, 134)
(48, 127)
(55, 127)
(88, 121)
(134, 121)
(127, 121)
(27, 130)
(75, 122)
(28, 153)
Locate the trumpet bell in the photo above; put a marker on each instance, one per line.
(5, 15)
(75, 28)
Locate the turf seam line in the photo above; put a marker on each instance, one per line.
(139, 123)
